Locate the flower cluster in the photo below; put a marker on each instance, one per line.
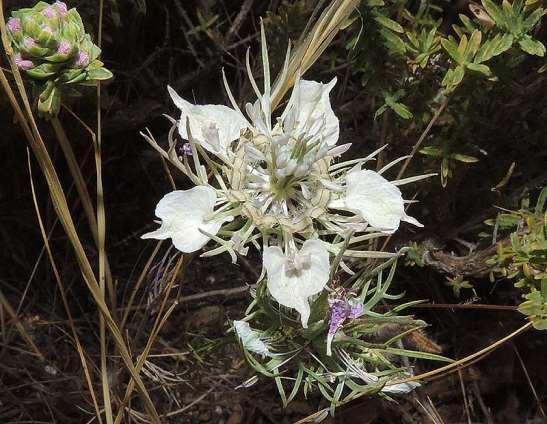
(275, 181)
(52, 48)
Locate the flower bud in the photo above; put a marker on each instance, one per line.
(29, 42)
(61, 7)
(64, 48)
(14, 25)
(82, 60)
(23, 64)
(50, 12)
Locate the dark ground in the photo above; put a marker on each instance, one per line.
(148, 49)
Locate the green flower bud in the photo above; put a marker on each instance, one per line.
(53, 50)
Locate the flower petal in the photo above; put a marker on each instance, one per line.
(313, 105)
(251, 339)
(183, 214)
(377, 200)
(214, 127)
(292, 288)
(400, 388)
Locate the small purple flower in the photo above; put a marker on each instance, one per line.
(185, 149)
(61, 8)
(14, 25)
(29, 42)
(50, 12)
(340, 311)
(64, 48)
(83, 59)
(23, 64)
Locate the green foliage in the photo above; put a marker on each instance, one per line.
(411, 61)
(457, 284)
(54, 51)
(415, 255)
(367, 351)
(524, 257)
(448, 160)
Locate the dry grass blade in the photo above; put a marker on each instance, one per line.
(101, 235)
(161, 319)
(333, 18)
(79, 347)
(11, 312)
(61, 208)
(83, 192)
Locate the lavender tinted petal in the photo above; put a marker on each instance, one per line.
(14, 25)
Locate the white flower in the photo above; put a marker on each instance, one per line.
(313, 111)
(375, 199)
(214, 127)
(183, 214)
(293, 279)
(251, 339)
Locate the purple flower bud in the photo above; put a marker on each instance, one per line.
(23, 64)
(184, 149)
(64, 48)
(14, 25)
(61, 8)
(340, 311)
(29, 42)
(49, 12)
(356, 311)
(83, 59)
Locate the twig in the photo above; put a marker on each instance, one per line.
(532, 388)
(423, 136)
(222, 292)
(234, 28)
(197, 400)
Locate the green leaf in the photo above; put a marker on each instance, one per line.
(542, 198)
(531, 46)
(494, 47)
(459, 72)
(100, 74)
(483, 69)
(467, 23)
(434, 151)
(389, 23)
(473, 45)
(43, 71)
(51, 105)
(418, 355)
(393, 41)
(495, 13)
(451, 47)
(401, 110)
(507, 220)
(464, 158)
(532, 19)
(380, 111)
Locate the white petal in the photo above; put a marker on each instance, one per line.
(377, 200)
(293, 288)
(313, 105)
(183, 213)
(251, 339)
(401, 388)
(213, 126)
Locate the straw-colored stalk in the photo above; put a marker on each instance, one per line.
(30, 128)
(313, 43)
